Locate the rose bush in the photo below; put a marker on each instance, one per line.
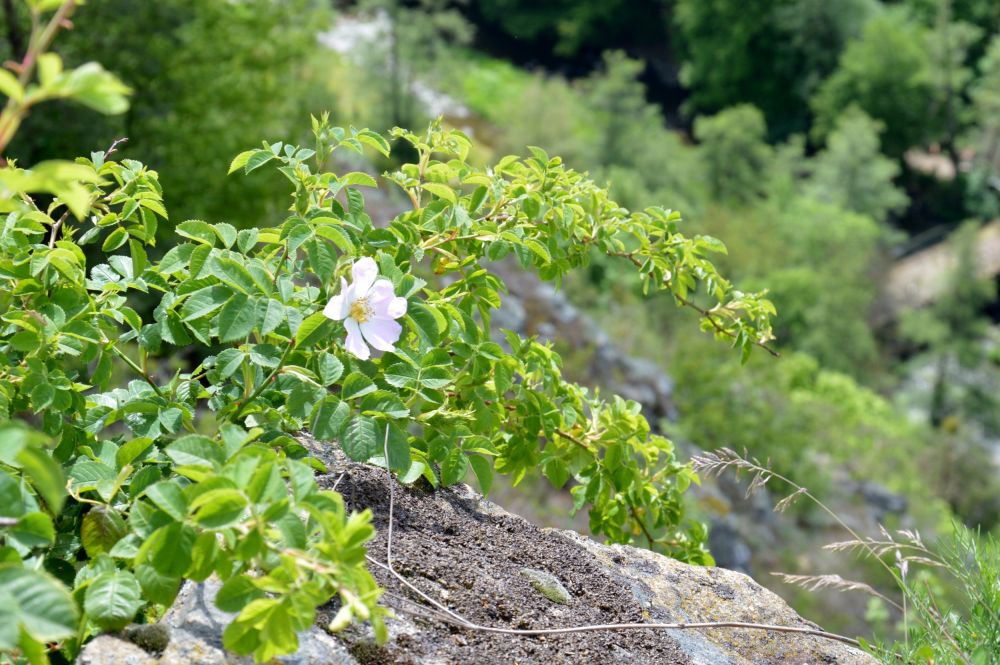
(122, 475)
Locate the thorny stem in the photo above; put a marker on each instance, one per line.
(706, 314)
(574, 439)
(266, 382)
(13, 111)
(140, 371)
(54, 233)
(642, 525)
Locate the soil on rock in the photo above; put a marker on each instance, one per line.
(472, 562)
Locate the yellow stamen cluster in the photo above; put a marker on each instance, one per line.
(361, 311)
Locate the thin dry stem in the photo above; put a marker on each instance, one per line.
(441, 612)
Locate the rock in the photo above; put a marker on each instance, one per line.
(485, 564)
(151, 638)
(671, 591)
(882, 500)
(548, 585)
(728, 547)
(111, 650)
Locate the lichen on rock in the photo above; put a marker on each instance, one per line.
(548, 585)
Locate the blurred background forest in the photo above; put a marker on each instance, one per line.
(846, 151)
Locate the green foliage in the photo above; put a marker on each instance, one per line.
(985, 94)
(210, 78)
(619, 103)
(604, 122)
(852, 172)
(888, 73)
(736, 156)
(950, 589)
(768, 54)
(569, 27)
(822, 283)
(114, 495)
(961, 402)
(801, 417)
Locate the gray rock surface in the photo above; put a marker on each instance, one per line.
(471, 554)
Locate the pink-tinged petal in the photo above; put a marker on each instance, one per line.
(355, 343)
(364, 272)
(340, 304)
(396, 308)
(381, 333)
(334, 308)
(381, 291)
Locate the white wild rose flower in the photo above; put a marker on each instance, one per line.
(369, 309)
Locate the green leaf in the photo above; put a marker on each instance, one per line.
(112, 599)
(360, 441)
(236, 320)
(102, 527)
(235, 593)
(93, 86)
(229, 361)
(169, 498)
(358, 178)
(10, 87)
(131, 450)
(399, 446)
(312, 330)
(539, 249)
(356, 385)
(11, 504)
(328, 368)
(33, 530)
(336, 235)
(115, 240)
(246, 239)
(197, 230)
(43, 606)
(217, 509)
(484, 472)
(274, 315)
(454, 467)
(424, 322)
(257, 159)
(204, 301)
(441, 190)
(10, 631)
(400, 375)
(240, 160)
(503, 378)
(195, 450)
(235, 274)
(203, 556)
(46, 475)
(169, 549)
(329, 417)
(157, 587)
(374, 140)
